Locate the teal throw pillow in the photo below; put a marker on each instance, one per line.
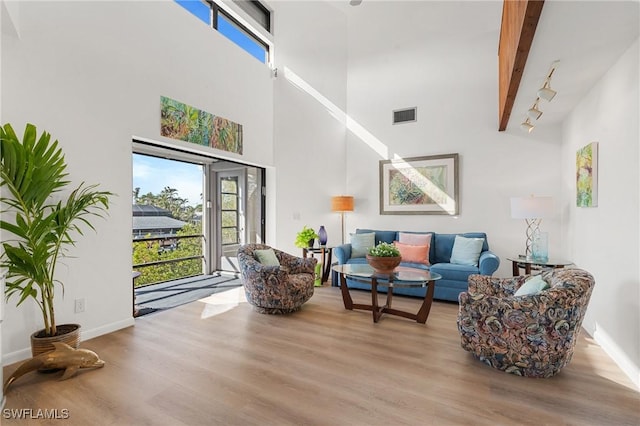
(267, 257)
(466, 251)
(533, 285)
(361, 243)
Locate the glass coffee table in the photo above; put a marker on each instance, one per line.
(402, 276)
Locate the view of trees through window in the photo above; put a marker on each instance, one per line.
(167, 225)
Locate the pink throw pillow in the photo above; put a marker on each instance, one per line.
(414, 254)
(415, 239)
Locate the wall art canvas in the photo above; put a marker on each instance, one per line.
(186, 123)
(420, 185)
(587, 176)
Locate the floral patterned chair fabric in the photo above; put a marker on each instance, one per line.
(276, 289)
(532, 335)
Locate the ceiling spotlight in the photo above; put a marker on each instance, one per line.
(527, 126)
(534, 113)
(355, 2)
(546, 92)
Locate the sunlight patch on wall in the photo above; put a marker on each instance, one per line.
(353, 126)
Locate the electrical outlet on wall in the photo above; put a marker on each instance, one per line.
(79, 306)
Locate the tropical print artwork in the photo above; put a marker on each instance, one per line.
(418, 185)
(186, 123)
(587, 176)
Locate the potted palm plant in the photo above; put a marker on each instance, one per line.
(42, 224)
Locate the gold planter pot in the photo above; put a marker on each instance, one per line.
(67, 333)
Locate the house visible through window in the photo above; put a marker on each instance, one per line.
(213, 15)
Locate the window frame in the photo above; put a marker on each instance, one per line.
(216, 10)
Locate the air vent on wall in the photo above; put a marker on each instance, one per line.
(406, 115)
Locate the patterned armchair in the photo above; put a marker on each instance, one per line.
(531, 336)
(276, 289)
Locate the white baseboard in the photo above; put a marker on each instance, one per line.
(25, 353)
(626, 364)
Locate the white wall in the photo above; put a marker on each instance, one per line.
(92, 73)
(605, 240)
(310, 100)
(414, 68)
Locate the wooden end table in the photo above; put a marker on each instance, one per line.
(325, 259)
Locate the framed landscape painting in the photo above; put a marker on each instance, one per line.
(420, 185)
(587, 176)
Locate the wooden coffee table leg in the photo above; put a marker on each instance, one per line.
(346, 297)
(423, 313)
(374, 300)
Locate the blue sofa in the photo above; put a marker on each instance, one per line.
(454, 277)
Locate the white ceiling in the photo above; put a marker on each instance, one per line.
(586, 37)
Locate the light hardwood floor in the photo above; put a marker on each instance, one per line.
(201, 365)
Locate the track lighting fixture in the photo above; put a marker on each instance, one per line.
(526, 125)
(546, 93)
(534, 113)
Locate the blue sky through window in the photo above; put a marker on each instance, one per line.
(202, 11)
(152, 174)
(198, 8)
(237, 36)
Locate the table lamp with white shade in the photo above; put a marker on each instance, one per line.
(532, 210)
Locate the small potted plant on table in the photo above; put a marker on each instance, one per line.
(384, 258)
(306, 237)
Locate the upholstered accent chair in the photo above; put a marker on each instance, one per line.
(276, 289)
(532, 335)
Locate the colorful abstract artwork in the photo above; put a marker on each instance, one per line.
(419, 185)
(186, 123)
(587, 176)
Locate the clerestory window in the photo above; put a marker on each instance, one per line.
(221, 20)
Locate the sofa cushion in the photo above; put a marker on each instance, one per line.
(413, 253)
(454, 272)
(381, 236)
(266, 257)
(466, 251)
(361, 243)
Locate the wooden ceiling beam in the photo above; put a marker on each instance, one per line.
(519, 21)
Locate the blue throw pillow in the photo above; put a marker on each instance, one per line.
(533, 285)
(266, 257)
(361, 243)
(466, 251)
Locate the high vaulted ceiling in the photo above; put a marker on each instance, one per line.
(585, 36)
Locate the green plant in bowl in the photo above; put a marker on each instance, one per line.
(305, 236)
(384, 250)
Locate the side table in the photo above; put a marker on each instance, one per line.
(325, 258)
(518, 263)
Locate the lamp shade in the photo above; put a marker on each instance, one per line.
(531, 207)
(342, 203)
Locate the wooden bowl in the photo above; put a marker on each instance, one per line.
(384, 265)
